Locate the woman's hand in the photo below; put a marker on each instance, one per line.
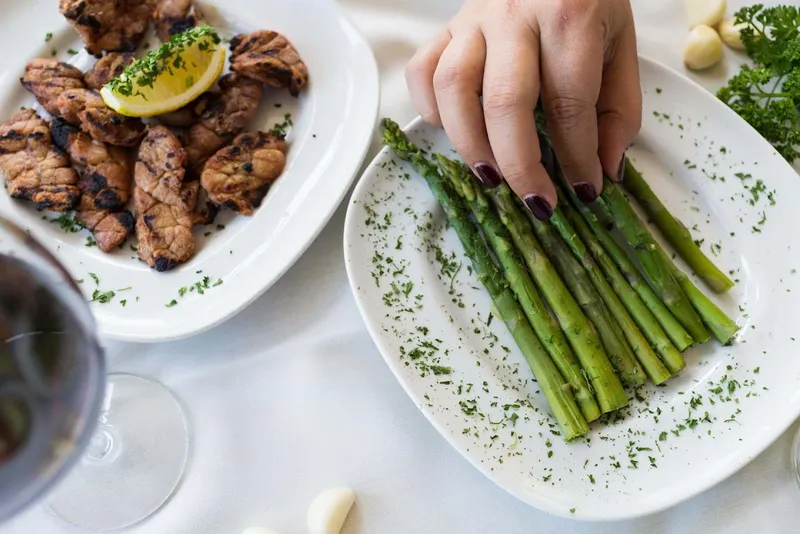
(578, 55)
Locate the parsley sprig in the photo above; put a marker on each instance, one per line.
(767, 95)
(166, 58)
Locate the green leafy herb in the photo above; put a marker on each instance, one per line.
(102, 297)
(72, 51)
(166, 58)
(767, 95)
(68, 223)
(90, 242)
(95, 278)
(123, 303)
(172, 303)
(279, 130)
(48, 36)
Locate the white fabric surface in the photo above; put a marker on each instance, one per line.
(291, 396)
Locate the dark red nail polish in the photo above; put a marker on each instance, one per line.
(488, 175)
(540, 208)
(586, 192)
(621, 171)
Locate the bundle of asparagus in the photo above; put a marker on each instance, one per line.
(589, 319)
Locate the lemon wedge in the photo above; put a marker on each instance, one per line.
(169, 77)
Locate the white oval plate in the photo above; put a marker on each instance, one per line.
(675, 441)
(334, 120)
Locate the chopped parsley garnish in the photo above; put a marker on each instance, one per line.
(280, 128)
(95, 278)
(48, 36)
(72, 51)
(168, 57)
(172, 303)
(90, 242)
(68, 223)
(102, 297)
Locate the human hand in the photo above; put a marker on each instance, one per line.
(578, 55)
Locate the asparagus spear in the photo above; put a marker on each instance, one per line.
(639, 313)
(723, 327)
(579, 331)
(675, 232)
(658, 273)
(520, 282)
(677, 334)
(553, 386)
(576, 279)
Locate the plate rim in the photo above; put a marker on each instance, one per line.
(367, 93)
(537, 500)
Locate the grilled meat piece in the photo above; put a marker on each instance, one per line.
(105, 182)
(225, 113)
(172, 17)
(164, 232)
(85, 108)
(110, 229)
(107, 169)
(269, 58)
(239, 175)
(106, 69)
(180, 118)
(48, 78)
(108, 25)
(35, 169)
(164, 204)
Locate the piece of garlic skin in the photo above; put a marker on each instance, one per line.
(731, 34)
(328, 510)
(258, 530)
(703, 48)
(707, 12)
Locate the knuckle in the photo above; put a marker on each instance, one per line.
(565, 12)
(501, 100)
(448, 77)
(569, 113)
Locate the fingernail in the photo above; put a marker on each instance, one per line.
(621, 171)
(540, 208)
(586, 192)
(488, 175)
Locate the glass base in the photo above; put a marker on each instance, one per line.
(134, 462)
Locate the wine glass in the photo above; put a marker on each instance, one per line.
(108, 450)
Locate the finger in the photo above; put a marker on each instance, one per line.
(419, 77)
(510, 92)
(572, 70)
(457, 84)
(619, 107)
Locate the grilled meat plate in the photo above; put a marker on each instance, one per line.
(225, 113)
(86, 108)
(105, 183)
(172, 17)
(34, 167)
(164, 204)
(239, 175)
(48, 78)
(269, 58)
(107, 68)
(108, 25)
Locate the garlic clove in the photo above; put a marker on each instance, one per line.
(707, 12)
(328, 510)
(703, 48)
(731, 33)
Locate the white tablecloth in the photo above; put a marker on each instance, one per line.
(291, 396)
